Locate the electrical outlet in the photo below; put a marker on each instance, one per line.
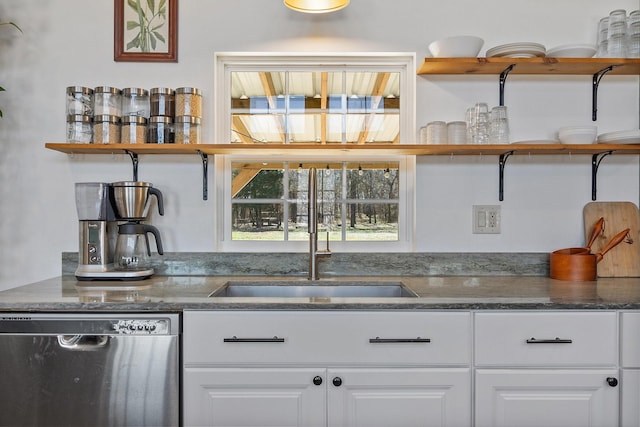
(486, 219)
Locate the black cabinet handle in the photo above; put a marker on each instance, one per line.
(235, 339)
(378, 340)
(549, 341)
(317, 380)
(337, 381)
(612, 381)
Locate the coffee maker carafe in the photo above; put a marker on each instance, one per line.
(133, 252)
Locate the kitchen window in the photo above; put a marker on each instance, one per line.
(364, 203)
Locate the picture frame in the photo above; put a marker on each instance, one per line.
(145, 31)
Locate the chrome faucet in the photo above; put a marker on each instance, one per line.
(314, 253)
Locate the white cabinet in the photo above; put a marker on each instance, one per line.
(308, 397)
(546, 369)
(411, 368)
(418, 397)
(630, 363)
(220, 397)
(338, 368)
(545, 397)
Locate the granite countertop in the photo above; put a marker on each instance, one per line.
(176, 293)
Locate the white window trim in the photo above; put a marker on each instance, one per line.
(227, 62)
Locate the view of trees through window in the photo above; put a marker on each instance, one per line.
(356, 201)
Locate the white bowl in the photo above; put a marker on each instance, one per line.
(456, 46)
(578, 134)
(572, 51)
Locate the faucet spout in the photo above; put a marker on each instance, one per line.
(312, 210)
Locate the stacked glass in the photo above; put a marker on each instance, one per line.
(478, 120)
(499, 126)
(603, 43)
(617, 34)
(633, 42)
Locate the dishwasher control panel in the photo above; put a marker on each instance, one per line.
(141, 327)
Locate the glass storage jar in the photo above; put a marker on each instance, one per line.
(135, 102)
(160, 130)
(188, 102)
(162, 102)
(134, 130)
(107, 100)
(187, 130)
(79, 128)
(106, 129)
(80, 100)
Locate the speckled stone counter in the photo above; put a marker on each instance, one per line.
(176, 293)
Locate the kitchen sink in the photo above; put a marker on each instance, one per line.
(324, 289)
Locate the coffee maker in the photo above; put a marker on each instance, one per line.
(105, 209)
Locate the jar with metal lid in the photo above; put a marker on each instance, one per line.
(134, 130)
(188, 102)
(187, 130)
(160, 130)
(79, 128)
(162, 101)
(135, 102)
(80, 100)
(106, 129)
(107, 101)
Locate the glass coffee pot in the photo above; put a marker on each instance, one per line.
(133, 252)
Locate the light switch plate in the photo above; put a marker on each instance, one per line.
(486, 219)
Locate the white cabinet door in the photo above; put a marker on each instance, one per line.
(630, 406)
(254, 397)
(549, 398)
(399, 397)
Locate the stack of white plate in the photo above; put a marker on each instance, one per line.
(620, 137)
(517, 50)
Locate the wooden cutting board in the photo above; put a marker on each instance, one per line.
(624, 259)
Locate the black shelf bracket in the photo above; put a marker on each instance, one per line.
(595, 164)
(594, 92)
(501, 163)
(134, 162)
(503, 78)
(205, 175)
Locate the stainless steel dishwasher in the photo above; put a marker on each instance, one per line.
(89, 369)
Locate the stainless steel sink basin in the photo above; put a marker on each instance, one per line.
(327, 289)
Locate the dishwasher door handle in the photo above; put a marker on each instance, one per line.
(83, 342)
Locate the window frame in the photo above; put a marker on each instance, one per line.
(228, 62)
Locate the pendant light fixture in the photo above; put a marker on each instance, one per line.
(316, 6)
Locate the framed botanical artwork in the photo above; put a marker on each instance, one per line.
(145, 30)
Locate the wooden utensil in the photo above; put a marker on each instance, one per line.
(625, 260)
(598, 227)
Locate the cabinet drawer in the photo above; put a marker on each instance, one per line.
(546, 339)
(301, 337)
(629, 343)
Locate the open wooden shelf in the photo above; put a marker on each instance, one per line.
(351, 149)
(540, 65)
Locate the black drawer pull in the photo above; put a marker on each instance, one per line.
(378, 340)
(553, 341)
(235, 339)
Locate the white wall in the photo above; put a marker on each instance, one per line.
(70, 42)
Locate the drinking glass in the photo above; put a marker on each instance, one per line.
(499, 127)
(482, 120)
(603, 32)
